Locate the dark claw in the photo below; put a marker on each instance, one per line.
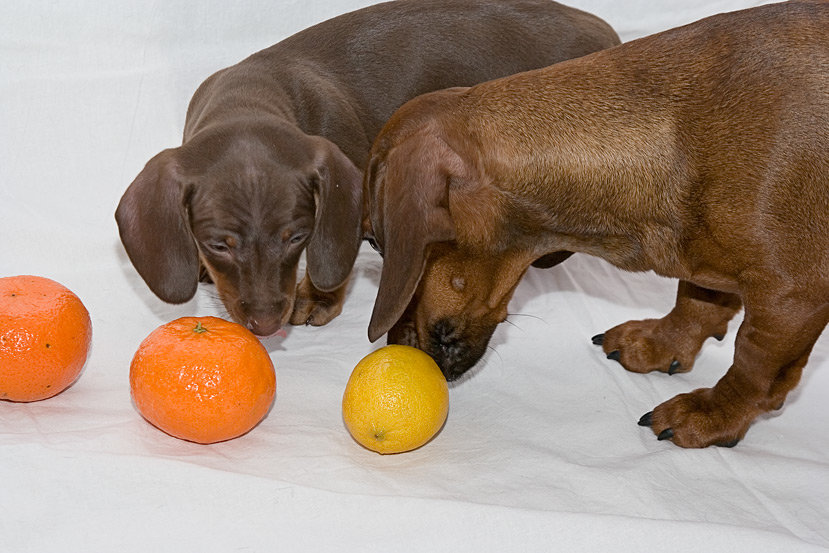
(598, 339)
(731, 443)
(615, 355)
(675, 367)
(646, 420)
(666, 434)
(719, 337)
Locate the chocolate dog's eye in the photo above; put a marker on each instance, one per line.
(219, 247)
(297, 238)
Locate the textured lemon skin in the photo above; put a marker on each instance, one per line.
(396, 400)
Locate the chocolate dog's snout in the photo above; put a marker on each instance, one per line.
(263, 326)
(263, 321)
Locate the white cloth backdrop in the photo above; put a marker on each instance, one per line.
(541, 451)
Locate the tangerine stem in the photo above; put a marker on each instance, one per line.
(199, 328)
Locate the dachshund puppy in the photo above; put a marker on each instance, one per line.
(274, 147)
(701, 153)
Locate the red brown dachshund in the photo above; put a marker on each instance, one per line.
(274, 147)
(701, 153)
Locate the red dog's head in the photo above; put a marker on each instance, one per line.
(453, 242)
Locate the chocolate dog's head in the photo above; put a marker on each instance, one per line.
(451, 260)
(241, 202)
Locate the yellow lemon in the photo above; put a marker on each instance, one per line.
(396, 400)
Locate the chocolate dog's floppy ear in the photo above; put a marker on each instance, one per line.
(151, 222)
(333, 247)
(414, 214)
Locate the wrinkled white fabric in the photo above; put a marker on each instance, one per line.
(541, 451)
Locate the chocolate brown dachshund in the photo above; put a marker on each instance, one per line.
(701, 153)
(274, 147)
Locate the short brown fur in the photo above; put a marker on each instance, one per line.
(699, 153)
(274, 147)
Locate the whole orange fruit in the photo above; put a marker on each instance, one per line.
(396, 400)
(202, 379)
(45, 333)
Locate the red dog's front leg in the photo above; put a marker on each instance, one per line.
(773, 345)
(671, 344)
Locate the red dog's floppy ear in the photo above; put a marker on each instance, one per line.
(333, 247)
(151, 222)
(412, 212)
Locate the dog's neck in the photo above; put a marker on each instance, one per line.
(624, 214)
(609, 216)
(603, 176)
(242, 94)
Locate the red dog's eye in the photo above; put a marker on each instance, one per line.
(373, 243)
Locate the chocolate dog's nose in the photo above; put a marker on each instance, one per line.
(264, 322)
(264, 325)
(263, 318)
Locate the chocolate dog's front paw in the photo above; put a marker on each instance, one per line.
(315, 313)
(316, 308)
(700, 419)
(650, 345)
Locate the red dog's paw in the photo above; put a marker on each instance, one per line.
(650, 345)
(701, 418)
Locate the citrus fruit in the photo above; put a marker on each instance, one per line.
(45, 333)
(396, 400)
(202, 379)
